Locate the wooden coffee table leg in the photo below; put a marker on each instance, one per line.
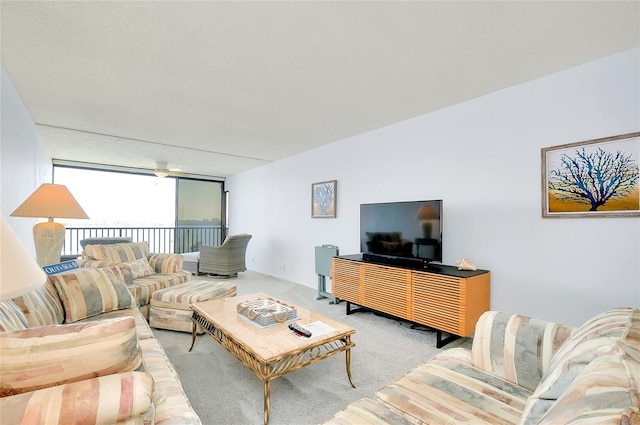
(267, 401)
(348, 356)
(193, 335)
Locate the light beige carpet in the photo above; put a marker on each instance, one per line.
(223, 391)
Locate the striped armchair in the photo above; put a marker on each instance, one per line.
(226, 259)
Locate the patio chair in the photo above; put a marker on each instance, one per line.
(227, 259)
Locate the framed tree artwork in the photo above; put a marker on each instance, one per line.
(594, 178)
(323, 199)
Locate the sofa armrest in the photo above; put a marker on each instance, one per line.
(105, 400)
(515, 347)
(165, 263)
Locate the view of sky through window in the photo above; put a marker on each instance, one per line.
(119, 199)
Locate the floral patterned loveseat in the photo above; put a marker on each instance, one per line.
(520, 370)
(79, 351)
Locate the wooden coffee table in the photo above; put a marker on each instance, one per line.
(271, 351)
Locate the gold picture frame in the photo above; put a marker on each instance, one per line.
(594, 178)
(323, 199)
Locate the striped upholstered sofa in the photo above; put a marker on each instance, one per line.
(520, 370)
(79, 351)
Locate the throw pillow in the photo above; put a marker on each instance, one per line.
(605, 392)
(118, 252)
(98, 264)
(11, 317)
(140, 268)
(594, 337)
(45, 356)
(509, 345)
(95, 264)
(42, 306)
(122, 398)
(89, 292)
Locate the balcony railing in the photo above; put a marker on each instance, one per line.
(167, 240)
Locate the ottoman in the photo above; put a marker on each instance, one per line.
(170, 307)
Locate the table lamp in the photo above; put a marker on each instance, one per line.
(49, 200)
(19, 273)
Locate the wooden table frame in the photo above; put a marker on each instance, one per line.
(298, 354)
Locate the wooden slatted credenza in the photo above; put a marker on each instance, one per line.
(440, 297)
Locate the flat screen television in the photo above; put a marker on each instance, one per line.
(402, 230)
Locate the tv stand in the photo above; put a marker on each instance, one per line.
(440, 342)
(440, 297)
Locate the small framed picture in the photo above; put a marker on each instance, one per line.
(595, 178)
(323, 199)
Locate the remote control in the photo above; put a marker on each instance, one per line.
(300, 330)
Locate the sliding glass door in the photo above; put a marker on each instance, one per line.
(200, 207)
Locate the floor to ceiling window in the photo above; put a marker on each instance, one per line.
(173, 214)
(200, 212)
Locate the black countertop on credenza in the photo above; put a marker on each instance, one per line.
(431, 268)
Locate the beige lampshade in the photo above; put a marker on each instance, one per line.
(19, 273)
(50, 201)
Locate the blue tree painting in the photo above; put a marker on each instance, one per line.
(595, 178)
(324, 199)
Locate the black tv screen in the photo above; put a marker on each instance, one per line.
(402, 229)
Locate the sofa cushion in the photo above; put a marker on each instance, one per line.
(95, 264)
(45, 356)
(605, 392)
(515, 347)
(367, 411)
(448, 389)
(172, 404)
(88, 292)
(139, 268)
(142, 326)
(106, 400)
(42, 306)
(119, 252)
(11, 317)
(595, 337)
(166, 263)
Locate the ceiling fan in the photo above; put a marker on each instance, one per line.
(162, 170)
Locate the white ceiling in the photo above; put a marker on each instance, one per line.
(215, 88)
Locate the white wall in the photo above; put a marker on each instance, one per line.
(24, 161)
(482, 158)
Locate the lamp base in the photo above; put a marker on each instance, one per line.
(48, 238)
(426, 229)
